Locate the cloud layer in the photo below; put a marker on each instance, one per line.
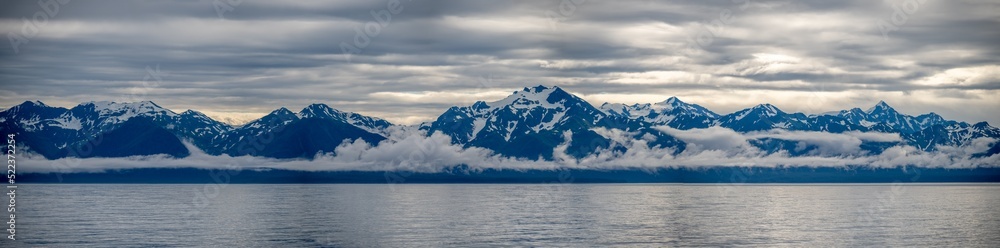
(407, 149)
(239, 60)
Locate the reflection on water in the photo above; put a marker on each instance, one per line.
(509, 215)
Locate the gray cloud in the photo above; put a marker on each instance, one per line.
(809, 56)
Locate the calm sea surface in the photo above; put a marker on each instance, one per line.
(456, 215)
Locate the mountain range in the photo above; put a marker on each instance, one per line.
(531, 123)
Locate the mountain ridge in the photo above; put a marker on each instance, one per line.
(529, 123)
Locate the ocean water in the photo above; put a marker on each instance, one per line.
(477, 215)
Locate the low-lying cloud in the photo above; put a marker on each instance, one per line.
(407, 149)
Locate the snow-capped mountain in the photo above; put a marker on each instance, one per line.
(925, 131)
(889, 118)
(532, 109)
(766, 117)
(58, 132)
(231, 142)
(673, 112)
(950, 134)
(531, 122)
(763, 117)
(930, 119)
(197, 127)
(883, 113)
(284, 134)
(370, 124)
(37, 128)
(32, 115)
(94, 118)
(855, 116)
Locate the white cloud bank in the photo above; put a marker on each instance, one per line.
(411, 150)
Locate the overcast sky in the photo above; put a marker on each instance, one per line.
(243, 59)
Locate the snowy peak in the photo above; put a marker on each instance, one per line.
(125, 111)
(853, 111)
(764, 117)
(103, 116)
(31, 108)
(316, 128)
(282, 111)
(35, 103)
(283, 116)
(134, 106)
(676, 105)
(531, 122)
(370, 124)
(930, 119)
(669, 104)
(193, 113)
(533, 109)
(277, 117)
(764, 110)
(534, 96)
(197, 127)
(634, 111)
(540, 88)
(672, 103)
(319, 110)
(882, 113)
(985, 128)
(480, 105)
(543, 90)
(982, 125)
(880, 108)
(27, 106)
(62, 127)
(522, 115)
(673, 100)
(31, 115)
(672, 112)
(855, 116)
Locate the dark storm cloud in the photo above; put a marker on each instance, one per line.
(255, 56)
